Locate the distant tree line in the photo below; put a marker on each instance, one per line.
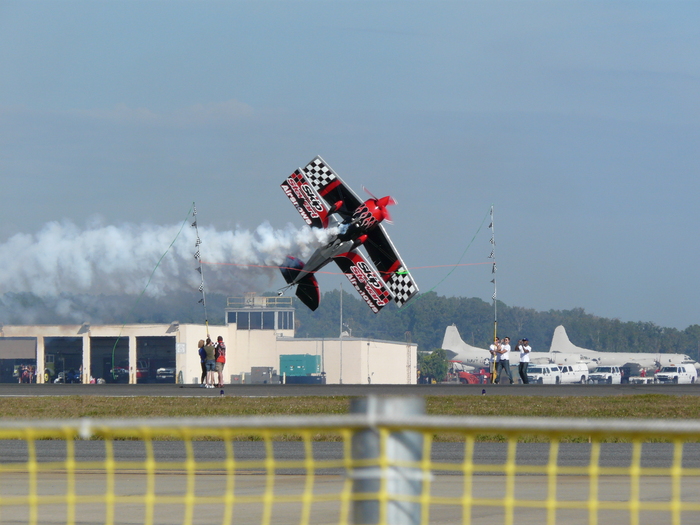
(422, 321)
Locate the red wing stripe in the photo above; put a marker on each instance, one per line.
(329, 188)
(390, 271)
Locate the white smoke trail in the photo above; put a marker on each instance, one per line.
(64, 259)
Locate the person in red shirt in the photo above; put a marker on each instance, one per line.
(220, 359)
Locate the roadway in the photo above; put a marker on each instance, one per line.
(654, 455)
(173, 390)
(170, 491)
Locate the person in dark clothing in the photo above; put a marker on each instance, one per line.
(203, 360)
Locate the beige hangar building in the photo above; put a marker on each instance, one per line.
(257, 331)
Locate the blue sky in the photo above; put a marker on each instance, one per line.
(578, 121)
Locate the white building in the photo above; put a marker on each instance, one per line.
(257, 332)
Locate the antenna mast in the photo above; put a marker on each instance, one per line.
(493, 272)
(198, 258)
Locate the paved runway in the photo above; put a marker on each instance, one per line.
(14, 389)
(653, 455)
(175, 497)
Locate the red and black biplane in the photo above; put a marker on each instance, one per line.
(325, 201)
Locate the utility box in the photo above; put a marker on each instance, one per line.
(300, 364)
(263, 375)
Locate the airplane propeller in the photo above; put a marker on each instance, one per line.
(382, 204)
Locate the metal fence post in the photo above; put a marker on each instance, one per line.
(400, 481)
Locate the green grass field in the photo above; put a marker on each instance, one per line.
(637, 406)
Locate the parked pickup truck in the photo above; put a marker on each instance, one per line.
(677, 374)
(576, 373)
(606, 374)
(544, 374)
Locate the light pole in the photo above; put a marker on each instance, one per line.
(341, 333)
(369, 373)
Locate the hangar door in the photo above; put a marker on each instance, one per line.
(17, 355)
(63, 359)
(155, 358)
(109, 359)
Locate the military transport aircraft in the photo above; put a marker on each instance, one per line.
(324, 201)
(563, 351)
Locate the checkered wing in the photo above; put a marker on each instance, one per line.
(331, 187)
(390, 266)
(305, 199)
(364, 279)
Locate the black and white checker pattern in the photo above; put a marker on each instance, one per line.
(402, 286)
(319, 174)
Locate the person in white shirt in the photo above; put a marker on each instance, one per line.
(524, 348)
(495, 350)
(504, 360)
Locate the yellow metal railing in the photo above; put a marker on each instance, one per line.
(305, 470)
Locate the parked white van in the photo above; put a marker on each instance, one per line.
(576, 373)
(544, 374)
(606, 374)
(676, 374)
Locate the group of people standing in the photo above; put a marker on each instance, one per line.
(500, 359)
(213, 359)
(26, 374)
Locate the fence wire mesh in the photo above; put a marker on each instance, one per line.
(304, 470)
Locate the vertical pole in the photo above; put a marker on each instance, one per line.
(369, 371)
(378, 455)
(132, 360)
(41, 360)
(341, 333)
(87, 363)
(494, 370)
(493, 271)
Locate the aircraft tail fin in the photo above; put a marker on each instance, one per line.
(308, 291)
(561, 342)
(452, 338)
(291, 268)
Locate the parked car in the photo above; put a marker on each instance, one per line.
(68, 376)
(165, 374)
(576, 373)
(120, 373)
(676, 374)
(544, 374)
(142, 369)
(606, 374)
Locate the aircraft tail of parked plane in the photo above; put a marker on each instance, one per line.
(458, 350)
